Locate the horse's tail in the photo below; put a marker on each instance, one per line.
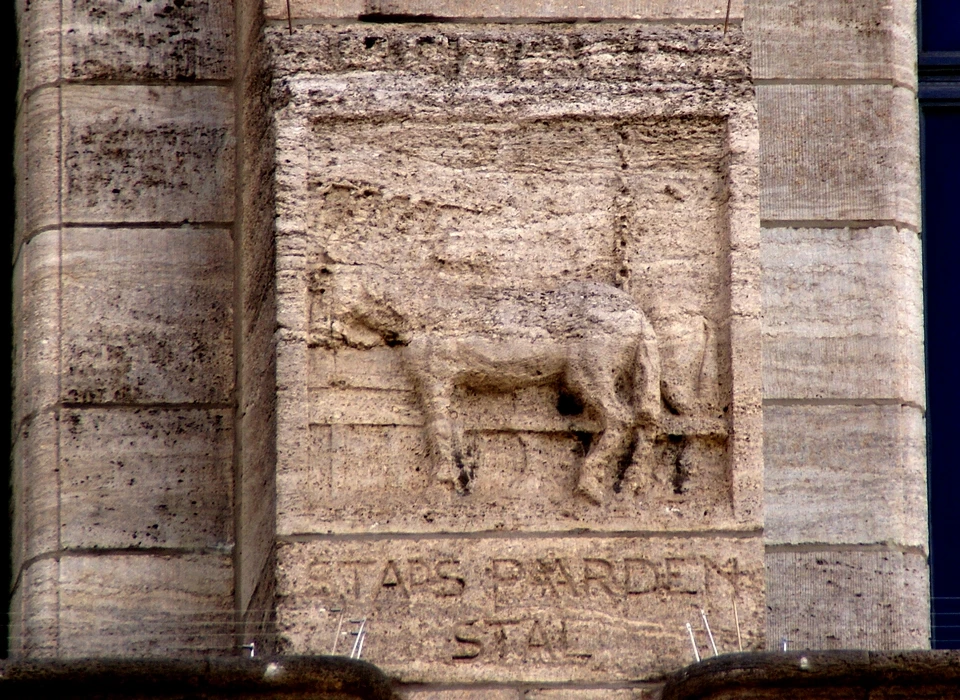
(646, 376)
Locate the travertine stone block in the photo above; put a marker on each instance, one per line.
(506, 9)
(845, 474)
(833, 39)
(646, 693)
(36, 489)
(856, 599)
(146, 478)
(36, 159)
(147, 40)
(839, 152)
(142, 606)
(462, 694)
(532, 609)
(38, 32)
(34, 619)
(843, 314)
(517, 292)
(147, 154)
(156, 306)
(36, 322)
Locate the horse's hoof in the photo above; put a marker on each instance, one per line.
(591, 488)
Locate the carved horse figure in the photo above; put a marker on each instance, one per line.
(590, 338)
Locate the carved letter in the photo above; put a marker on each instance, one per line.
(641, 576)
(599, 571)
(453, 583)
(465, 635)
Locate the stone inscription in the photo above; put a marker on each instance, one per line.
(468, 608)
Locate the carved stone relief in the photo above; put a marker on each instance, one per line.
(517, 284)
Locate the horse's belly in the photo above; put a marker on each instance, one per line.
(509, 363)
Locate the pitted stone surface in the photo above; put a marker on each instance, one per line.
(517, 289)
(533, 609)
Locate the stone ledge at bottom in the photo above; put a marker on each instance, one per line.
(820, 675)
(317, 678)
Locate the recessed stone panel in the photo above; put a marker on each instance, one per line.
(839, 152)
(843, 314)
(533, 609)
(146, 478)
(157, 308)
(845, 474)
(505, 9)
(874, 599)
(135, 606)
(147, 40)
(824, 39)
(147, 154)
(517, 290)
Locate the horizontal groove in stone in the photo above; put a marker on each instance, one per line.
(489, 534)
(149, 225)
(53, 84)
(837, 223)
(309, 21)
(156, 405)
(841, 402)
(812, 547)
(128, 551)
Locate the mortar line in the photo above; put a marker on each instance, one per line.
(814, 547)
(366, 20)
(301, 538)
(150, 225)
(838, 82)
(126, 551)
(156, 405)
(843, 402)
(148, 82)
(838, 223)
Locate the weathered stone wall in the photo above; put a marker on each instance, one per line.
(843, 327)
(138, 310)
(124, 368)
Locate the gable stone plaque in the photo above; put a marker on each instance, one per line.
(518, 366)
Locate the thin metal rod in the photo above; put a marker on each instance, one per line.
(359, 637)
(290, 19)
(736, 616)
(363, 638)
(693, 643)
(706, 624)
(726, 20)
(336, 637)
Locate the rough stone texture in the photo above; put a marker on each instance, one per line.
(256, 377)
(173, 606)
(237, 678)
(462, 694)
(839, 152)
(147, 40)
(35, 489)
(517, 284)
(36, 322)
(506, 9)
(36, 158)
(533, 609)
(820, 675)
(845, 474)
(833, 39)
(158, 307)
(843, 314)
(147, 154)
(34, 621)
(146, 478)
(592, 694)
(855, 599)
(38, 30)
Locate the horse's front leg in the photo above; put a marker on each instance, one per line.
(429, 365)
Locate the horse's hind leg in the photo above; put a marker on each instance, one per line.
(593, 377)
